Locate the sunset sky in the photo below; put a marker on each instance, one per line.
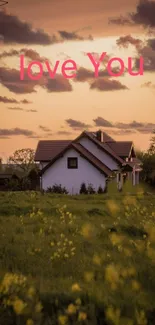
(62, 108)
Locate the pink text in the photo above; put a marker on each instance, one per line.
(70, 66)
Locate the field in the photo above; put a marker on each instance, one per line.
(87, 259)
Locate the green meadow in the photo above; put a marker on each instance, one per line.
(86, 259)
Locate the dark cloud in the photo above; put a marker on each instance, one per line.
(121, 128)
(16, 108)
(144, 15)
(77, 125)
(7, 100)
(125, 41)
(28, 53)
(121, 132)
(148, 84)
(84, 74)
(31, 110)
(58, 84)
(107, 84)
(72, 36)
(15, 131)
(25, 101)
(148, 55)
(44, 128)
(123, 21)
(64, 133)
(10, 78)
(136, 126)
(133, 124)
(22, 109)
(100, 121)
(145, 49)
(69, 36)
(14, 30)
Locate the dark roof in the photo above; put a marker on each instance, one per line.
(48, 149)
(121, 148)
(102, 145)
(137, 163)
(86, 154)
(92, 159)
(106, 137)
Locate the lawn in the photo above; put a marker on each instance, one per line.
(87, 259)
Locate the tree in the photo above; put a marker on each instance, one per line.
(151, 149)
(0, 163)
(148, 161)
(23, 158)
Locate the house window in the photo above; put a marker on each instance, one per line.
(72, 163)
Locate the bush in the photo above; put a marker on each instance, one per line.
(91, 190)
(100, 190)
(12, 185)
(83, 189)
(57, 189)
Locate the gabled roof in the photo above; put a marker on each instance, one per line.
(48, 149)
(85, 154)
(136, 163)
(101, 145)
(106, 137)
(121, 148)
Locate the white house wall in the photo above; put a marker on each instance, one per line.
(58, 173)
(101, 155)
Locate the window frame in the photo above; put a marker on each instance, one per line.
(68, 163)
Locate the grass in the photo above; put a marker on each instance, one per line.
(98, 249)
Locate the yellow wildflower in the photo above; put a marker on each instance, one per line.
(38, 307)
(112, 206)
(96, 260)
(112, 276)
(113, 315)
(71, 309)
(82, 316)
(52, 243)
(31, 292)
(116, 239)
(135, 285)
(87, 231)
(29, 322)
(89, 276)
(76, 287)
(78, 301)
(19, 306)
(62, 319)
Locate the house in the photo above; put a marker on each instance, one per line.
(92, 158)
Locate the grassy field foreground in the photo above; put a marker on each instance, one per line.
(87, 259)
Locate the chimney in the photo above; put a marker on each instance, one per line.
(99, 135)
